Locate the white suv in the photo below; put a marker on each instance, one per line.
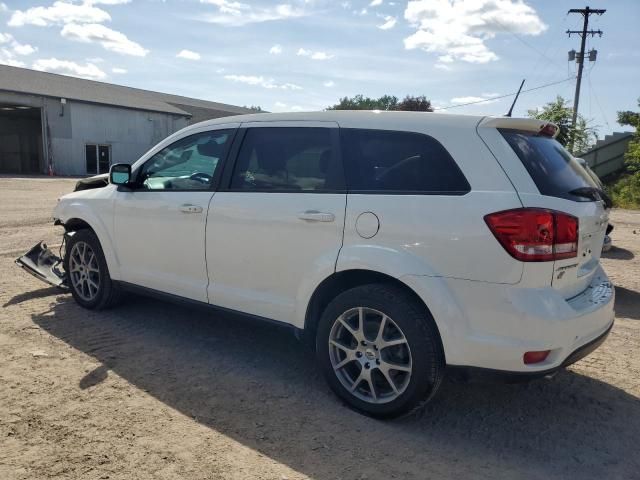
(401, 244)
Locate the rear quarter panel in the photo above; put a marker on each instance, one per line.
(437, 235)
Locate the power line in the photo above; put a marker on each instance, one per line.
(595, 95)
(525, 43)
(488, 99)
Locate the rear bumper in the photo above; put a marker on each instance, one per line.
(473, 374)
(490, 326)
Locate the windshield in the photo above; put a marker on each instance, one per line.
(555, 171)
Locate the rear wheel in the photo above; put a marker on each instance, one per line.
(380, 350)
(87, 272)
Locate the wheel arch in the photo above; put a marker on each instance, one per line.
(337, 283)
(75, 223)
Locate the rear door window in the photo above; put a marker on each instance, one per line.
(399, 162)
(287, 159)
(552, 168)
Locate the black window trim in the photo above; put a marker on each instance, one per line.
(230, 166)
(448, 193)
(217, 175)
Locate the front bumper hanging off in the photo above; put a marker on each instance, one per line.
(43, 264)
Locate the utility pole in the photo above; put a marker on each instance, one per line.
(580, 56)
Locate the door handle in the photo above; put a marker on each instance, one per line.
(188, 208)
(316, 216)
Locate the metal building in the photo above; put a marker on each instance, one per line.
(69, 126)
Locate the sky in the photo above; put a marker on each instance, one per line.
(303, 55)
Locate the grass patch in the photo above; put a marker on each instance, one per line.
(624, 190)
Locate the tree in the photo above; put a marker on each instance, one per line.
(625, 191)
(386, 102)
(632, 157)
(582, 137)
(255, 108)
(415, 104)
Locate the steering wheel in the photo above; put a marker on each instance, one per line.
(201, 177)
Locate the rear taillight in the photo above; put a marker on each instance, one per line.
(535, 235)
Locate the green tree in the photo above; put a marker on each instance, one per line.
(386, 102)
(583, 136)
(632, 157)
(625, 192)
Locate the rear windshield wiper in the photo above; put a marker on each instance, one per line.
(594, 194)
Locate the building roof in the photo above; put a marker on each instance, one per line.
(33, 82)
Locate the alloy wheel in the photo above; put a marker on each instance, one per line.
(370, 355)
(84, 271)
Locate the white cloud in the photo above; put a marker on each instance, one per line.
(275, 50)
(484, 98)
(3, 7)
(389, 23)
(7, 59)
(118, 70)
(66, 67)
(313, 55)
(442, 66)
(329, 83)
(460, 28)
(59, 13)
(375, 3)
(235, 14)
(109, 39)
(262, 82)
(283, 107)
(12, 48)
(107, 2)
(24, 49)
(188, 55)
(468, 99)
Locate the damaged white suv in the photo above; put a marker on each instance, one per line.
(401, 244)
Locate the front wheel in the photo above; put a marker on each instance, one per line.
(380, 350)
(87, 273)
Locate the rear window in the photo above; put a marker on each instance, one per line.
(555, 172)
(399, 162)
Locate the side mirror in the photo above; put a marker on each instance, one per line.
(120, 174)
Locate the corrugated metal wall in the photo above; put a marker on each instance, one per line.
(129, 133)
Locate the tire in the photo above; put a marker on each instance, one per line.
(409, 341)
(87, 272)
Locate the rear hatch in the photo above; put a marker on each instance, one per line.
(547, 176)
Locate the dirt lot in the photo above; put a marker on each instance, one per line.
(152, 390)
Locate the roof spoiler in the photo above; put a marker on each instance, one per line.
(528, 124)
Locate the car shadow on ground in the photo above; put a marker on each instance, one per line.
(617, 253)
(258, 385)
(33, 294)
(627, 302)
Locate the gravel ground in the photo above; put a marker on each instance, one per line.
(153, 390)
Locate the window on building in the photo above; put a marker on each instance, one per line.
(97, 158)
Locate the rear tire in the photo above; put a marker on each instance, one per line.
(380, 350)
(88, 274)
